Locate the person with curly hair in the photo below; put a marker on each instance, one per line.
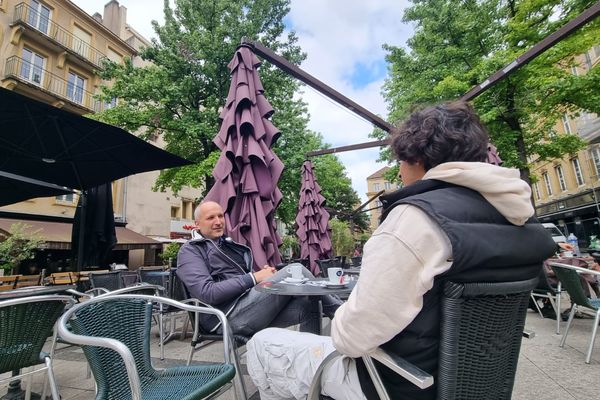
(457, 218)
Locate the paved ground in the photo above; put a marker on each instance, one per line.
(545, 371)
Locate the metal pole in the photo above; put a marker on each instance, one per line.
(80, 242)
(316, 84)
(570, 27)
(536, 50)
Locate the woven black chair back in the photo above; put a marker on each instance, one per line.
(129, 278)
(107, 280)
(24, 328)
(154, 276)
(481, 331)
(328, 263)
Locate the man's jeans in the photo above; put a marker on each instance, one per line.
(257, 310)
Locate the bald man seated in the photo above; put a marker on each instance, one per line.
(218, 271)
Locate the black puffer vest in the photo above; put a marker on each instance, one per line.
(485, 248)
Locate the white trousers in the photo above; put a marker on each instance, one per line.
(282, 364)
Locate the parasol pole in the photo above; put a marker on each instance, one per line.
(80, 242)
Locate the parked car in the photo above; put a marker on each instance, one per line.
(556, 233)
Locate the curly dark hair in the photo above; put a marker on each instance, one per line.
(439, 134)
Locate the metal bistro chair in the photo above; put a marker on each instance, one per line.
(157, 276)
(569, 276)
(114, 331)
(201, 338)
(545, 290)
(25, 325)
(480, 338)
(107, 280)
(356, 261)
(327, 263)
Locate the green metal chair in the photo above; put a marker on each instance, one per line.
(568, 275)
(25, 325)
(480, 338)
(114, 331)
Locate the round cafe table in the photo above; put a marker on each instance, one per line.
(309, 288)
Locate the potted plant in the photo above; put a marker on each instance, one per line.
(169, 254)
(17, 247)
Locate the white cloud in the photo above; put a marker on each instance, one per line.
(343, 40)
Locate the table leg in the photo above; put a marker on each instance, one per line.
(318, 310)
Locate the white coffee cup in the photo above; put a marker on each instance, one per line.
(567, 254)
(336, 275)
(295, 270)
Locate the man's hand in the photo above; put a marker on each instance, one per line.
(264, 273)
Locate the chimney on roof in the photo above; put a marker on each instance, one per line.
(115, 18)
(97, 17)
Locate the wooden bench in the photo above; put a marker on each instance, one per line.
(8, 282)
(29, 280)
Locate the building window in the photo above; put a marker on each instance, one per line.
(548, 184)
(376, 187)
(387, 185)
(39, 16)
(66, 198)
(75, 88)
(114, 56)
(112, 103)
(577, 171)
(596, 158)
(561, 178)
(186, 209)
(574, 70)
(566, 124)
(588, 61)
(378, 204)
(82, 42)
(32, 67)
(536, 187)
(174, 212)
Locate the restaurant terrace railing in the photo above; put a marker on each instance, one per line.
(24, 71)
(25, 14)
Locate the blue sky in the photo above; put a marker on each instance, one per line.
(343, 40)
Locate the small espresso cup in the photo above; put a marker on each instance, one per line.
(295, 270)
(567, 254)
(336, 276)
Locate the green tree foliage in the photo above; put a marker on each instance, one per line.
(458, 44)
(18, 246)
(341, 238)
(336, 187)
(178, 95)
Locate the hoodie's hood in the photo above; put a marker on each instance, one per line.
(501, 187)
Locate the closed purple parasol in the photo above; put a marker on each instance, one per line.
(312, 219)
(247, 171)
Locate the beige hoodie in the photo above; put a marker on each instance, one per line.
(407, 251)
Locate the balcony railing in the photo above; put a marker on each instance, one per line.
(27, 72)
(29, 16)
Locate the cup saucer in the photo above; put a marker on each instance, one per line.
(332, 285)
(294, 280)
